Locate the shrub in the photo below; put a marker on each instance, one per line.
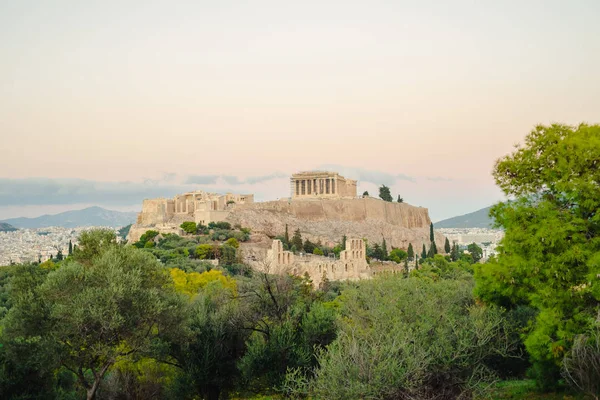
(317, 251)
(189, 227)
(581, 367)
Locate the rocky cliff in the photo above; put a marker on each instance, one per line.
(330, 219)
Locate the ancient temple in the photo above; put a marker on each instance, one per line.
(321, 184)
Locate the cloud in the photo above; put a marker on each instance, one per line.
(366, 175)
(439, 179)
(202, 179)
(259, 179)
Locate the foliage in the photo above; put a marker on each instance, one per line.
(317, 251)
(233, 242)
(550, 255)
(398, 255)
(297, 240)
(447, 248)
(384, 193)
(190, 283)
(365, 194)
(424, 252)
(189, 227)
(309, 247)
(581, 367)
(475, 251)
(93, 242)
(410, 252)
(407, 338)
(431, 235)
(400, 199)
(219, 225)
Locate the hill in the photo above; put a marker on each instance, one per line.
(477, 219)
(91, 216)
(4, 227)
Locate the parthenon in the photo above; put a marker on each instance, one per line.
(319, 184)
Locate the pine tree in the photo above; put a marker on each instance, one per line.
(286, 237)
(447, 246)
(406, 266)
(431, 236)
(400, 199)
(297, 240)
(365, 194)
(410, 252)
(70, 247)
(424, 252)
(384, 193)
(432, 250)
(384, 250)
(59, 255)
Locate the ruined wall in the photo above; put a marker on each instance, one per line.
(351, 265)
(330, 219)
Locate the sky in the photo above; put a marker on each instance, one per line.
(110, 102)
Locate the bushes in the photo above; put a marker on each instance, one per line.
(581, 367)
(408, 338)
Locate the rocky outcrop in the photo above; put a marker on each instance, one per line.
(330, 219)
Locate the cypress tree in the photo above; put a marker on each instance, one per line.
(406, 266)
(400, 199)
(344, 242)
(447, 246)
(286, 237)
(431, 236)
(424, 252)
(297, 240)
(384, 249)
(70, 247)
(432, 250)
(410, 252)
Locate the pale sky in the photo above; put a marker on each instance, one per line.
(108, 102)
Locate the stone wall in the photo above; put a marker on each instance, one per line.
(330, 219)
(351, 265)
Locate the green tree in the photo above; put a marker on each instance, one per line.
(297, 240)
(549, 257)
(309, 247)
(59, 255)
(432, 250)
(317, 251)
(447, 248)
(189, 227)
(97, 313)
(424, 252)
(344, 238)
(233, 242)
(410, 252)
(70, 247)
(384, 193)
(286, 236)
(398, 255)
(431, 235)
(475, 251)
(365, 194)
(455, 253)
(400, 199)
(93, 242)
(384, 250)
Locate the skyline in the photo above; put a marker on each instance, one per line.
(423, 98)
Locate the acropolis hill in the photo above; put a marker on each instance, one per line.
(323, 205)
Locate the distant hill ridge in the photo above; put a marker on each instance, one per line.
(477, 219)
(4, 227)
(91, 216)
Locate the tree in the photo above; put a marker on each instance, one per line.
(447, 248)
(233, 242)
(400, 199)
(365, 194)
(431, 235)
(398, 255)
(384, 193)
(549, 254)
(475, 251)
(317, 251)
(424, 252)
(455, 254)
(384, 250)
(432, 250)
(344, 238)
(204, 251)
(189, 227)
(93, 242)
(103, 311)
(70, 247)
(309, 247)
(286, 236)
(297, 240)
(410, 252)
(59, 255)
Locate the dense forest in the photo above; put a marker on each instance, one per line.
(158, 319)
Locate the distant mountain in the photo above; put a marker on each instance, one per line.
(477, 219)
(91, 216)
(4, 227)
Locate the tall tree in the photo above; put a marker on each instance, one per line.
(431, 235)
(297, 240)
(549, 257)
(400, 199)
(344, 238)
(447, 248)
(384, 249)
(384, 193)
(411, 252)
(475, 251)
(286, 236)
(70, 247)
(424, 252)
(432, 250)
